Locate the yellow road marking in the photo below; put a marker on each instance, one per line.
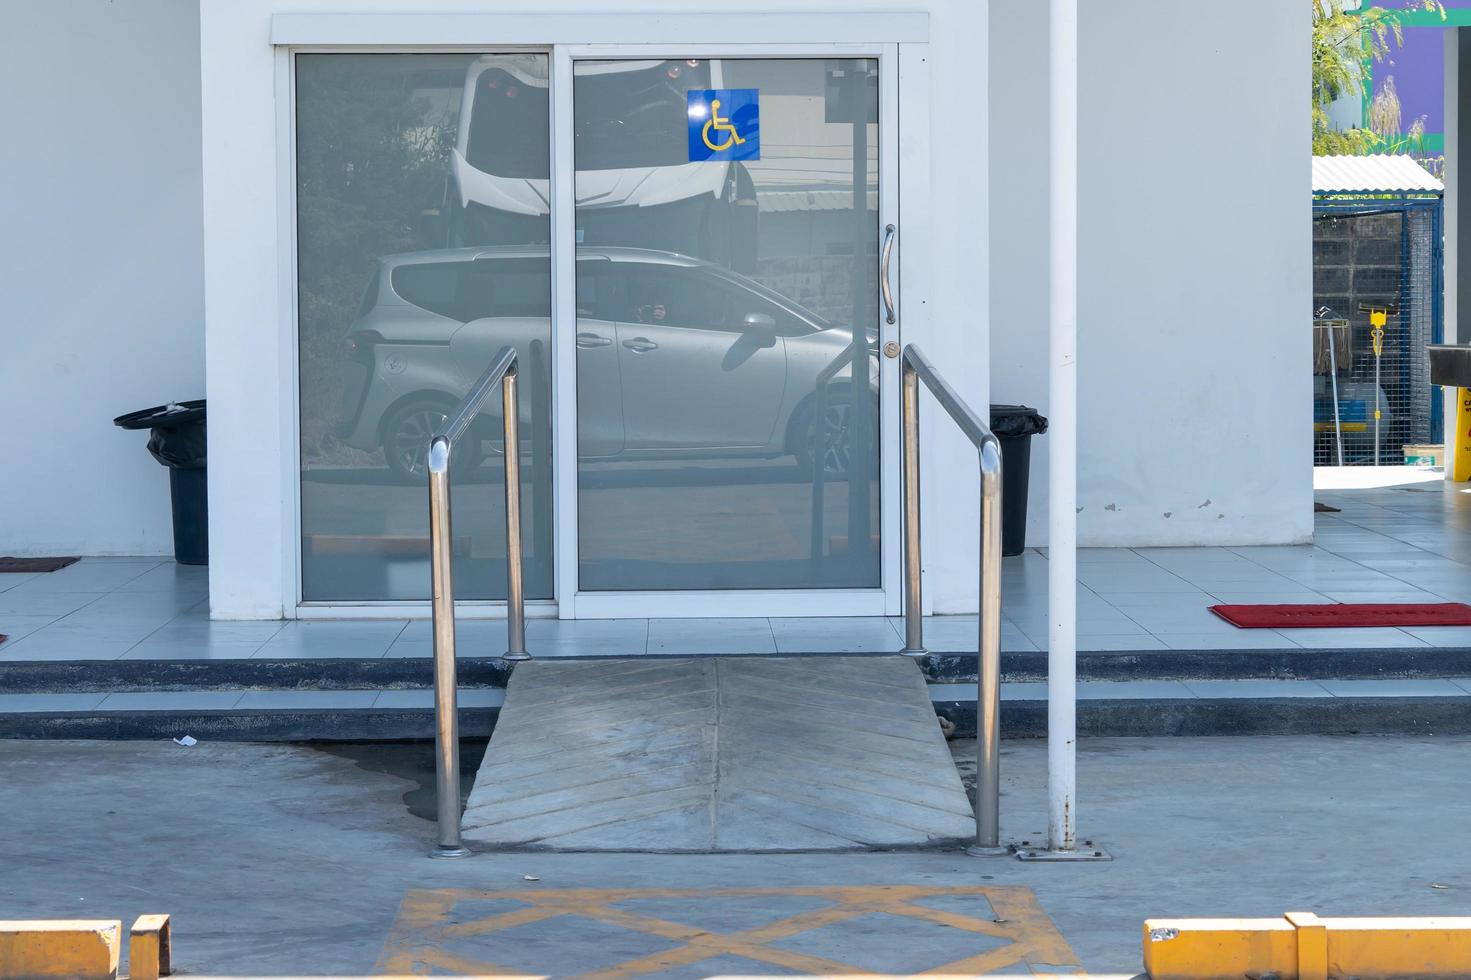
(415, 945)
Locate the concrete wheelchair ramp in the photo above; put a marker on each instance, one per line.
(717, 754)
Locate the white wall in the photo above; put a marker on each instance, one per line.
(248, 281)
(1194, 266)
(100, 236)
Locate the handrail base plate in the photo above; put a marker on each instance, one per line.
(1091, 852)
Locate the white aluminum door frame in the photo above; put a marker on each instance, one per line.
(569, 37)
(573, 603)
(324, 35)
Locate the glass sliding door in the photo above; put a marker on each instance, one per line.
(422, 249)
(726, 327)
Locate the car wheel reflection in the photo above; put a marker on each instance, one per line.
(407, 431)
(838, 440)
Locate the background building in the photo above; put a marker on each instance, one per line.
(152, 239)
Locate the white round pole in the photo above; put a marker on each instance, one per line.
(1062, 815)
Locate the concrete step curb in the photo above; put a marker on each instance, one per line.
(20, 677)
(311, 674)
(1231, 716)
(1021, 717)
(1274, 664)
(288, 725)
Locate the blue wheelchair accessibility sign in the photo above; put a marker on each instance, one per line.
(724, 124)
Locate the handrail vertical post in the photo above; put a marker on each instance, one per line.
(446, 707)
(914, 368)
(515, 594)
(913, 567)
(988, 676)
(442, 588)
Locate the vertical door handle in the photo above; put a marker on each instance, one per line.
(888, 290)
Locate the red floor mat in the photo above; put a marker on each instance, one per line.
(1341, 615)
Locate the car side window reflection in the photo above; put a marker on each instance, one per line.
(432, 286)
(741, 303)
(506, 288)
(669, 296)
(602, 290)
(473, 290)
(673, 296)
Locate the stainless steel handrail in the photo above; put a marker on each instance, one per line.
(916, 368)
(441, 549)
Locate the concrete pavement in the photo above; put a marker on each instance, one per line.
(278, 860)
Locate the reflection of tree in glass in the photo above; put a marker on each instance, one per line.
(373, 135)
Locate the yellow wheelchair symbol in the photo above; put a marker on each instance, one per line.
(719, 125)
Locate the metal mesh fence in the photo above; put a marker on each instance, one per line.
(1380, 260)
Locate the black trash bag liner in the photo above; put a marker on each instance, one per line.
(1015, 421)
(178, 438)
(181, 449)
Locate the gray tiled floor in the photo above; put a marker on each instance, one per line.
(1397, 544)
(49, 702)
(475, 698)
(1257, 689)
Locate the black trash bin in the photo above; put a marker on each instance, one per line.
(178, 442)
(1014, 426)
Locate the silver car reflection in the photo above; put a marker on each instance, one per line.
(676, 357)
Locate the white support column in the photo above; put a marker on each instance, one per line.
(1063, 432)
(1451, 218)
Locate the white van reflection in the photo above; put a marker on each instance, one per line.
(635, 184)
(676, 357)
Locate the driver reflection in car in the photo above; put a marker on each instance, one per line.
(656, 312)
(653, 312)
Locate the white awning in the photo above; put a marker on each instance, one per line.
(1378, 174)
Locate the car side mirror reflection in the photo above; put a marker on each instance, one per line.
(761, 328)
